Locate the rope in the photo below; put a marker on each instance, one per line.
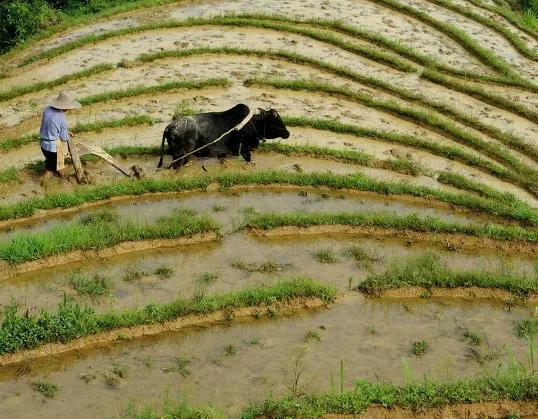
(235, 128)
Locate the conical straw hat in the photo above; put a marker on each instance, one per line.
(64, 102)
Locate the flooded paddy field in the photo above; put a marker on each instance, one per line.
(381, 262)
(233, 364)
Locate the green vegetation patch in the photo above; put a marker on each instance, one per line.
(411, 222)
(72, 321)
(9, 175)
(430, 272)
(413, 396)
(47, 390)
(90, 285)
(96, 233)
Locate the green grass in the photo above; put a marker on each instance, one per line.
(98, 234)
(512, 37)
(345, 156)
(170, 409)
(17, 91)
(415, 395)
(429, 271)
(411, 222)
(8, 144)
(133, 274)
(526, 328)
(147, 90)
(446, 151)
(507, 138)
(356, 182)
(361, 256)
(422, 117)
(47, 390)
(460, 36)
(267, 267)
(325, 256)
(206, 278)
(9, 175)
(72, 321)
(528, 25)
(461, 182)
(419, 347)
(90, 285)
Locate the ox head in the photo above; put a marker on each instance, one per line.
(274, 127)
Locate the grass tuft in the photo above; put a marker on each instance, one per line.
(85, 284)
(429, 271)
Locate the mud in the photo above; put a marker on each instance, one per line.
(264, 354)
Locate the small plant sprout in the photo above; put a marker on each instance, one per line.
(362, 257)
(180, 366)
(230, 350)
(312, 336)
(133, 274)
(206, 278)
(218, 208)
(164, 272)
(47, 390)
(255, 341)
(325, 256)
(419, 347)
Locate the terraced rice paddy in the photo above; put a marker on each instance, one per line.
(382, 261)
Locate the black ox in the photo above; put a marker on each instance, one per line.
(191, 132)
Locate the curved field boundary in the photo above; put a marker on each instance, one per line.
(510, 390)
(510, 36)
(356, 182)
(509, 15)
(461, 37)
(412, 222)
(32, 337)
(8, 270)
(508, 139)
(280, 23)
(445, 240)
(466, 293)
(526, 176)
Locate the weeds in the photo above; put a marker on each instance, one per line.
(419, 347)
(47, 390)
(526, 328)
(325, 256)
(9, 175)
(230, 350)
(267, 267)
(470, 337)
(72, 321)
(133, 274)
(360, 256)
(206, 278)
(312, 336)
(90, 285)
(180, 366)
(164, 272)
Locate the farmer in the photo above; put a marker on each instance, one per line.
(54, 134)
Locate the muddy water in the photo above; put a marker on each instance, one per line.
(294, 257)
(371, 337)
(229, 207)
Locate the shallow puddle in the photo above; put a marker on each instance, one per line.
(235, 262)
(231, 365)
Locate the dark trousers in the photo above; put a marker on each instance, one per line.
(50, 160)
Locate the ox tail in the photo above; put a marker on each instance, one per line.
(162, 150)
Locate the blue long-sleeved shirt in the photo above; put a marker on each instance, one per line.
(53, 127)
